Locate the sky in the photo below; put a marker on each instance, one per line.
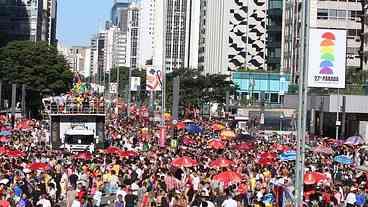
(79, 20)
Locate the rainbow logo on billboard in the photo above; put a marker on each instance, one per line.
(327, 53)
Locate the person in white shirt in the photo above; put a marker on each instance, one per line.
(229, 202)
(76, 203)
(351, 198)
(44, 202)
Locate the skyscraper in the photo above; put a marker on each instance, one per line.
(33, 20)
(233, 35)
(176, 34)
(146, 33)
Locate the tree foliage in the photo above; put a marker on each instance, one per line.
(37, 65)
(197, 88)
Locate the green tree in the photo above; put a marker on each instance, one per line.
(37, 65)
(197, 88)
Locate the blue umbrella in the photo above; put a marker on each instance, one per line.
(288, 156)
(193, 129)
(5, 133)
(343, 159)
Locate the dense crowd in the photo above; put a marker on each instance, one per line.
(200, 165)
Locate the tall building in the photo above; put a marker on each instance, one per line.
(233, 35)
(119, 15)
(33, 20)
(133, 36)
(176, 34)
(328, 14)
(78, 58)
(274, 34)
(146, 26)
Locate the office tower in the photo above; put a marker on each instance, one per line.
(33, 20)
(233, 35)
(176, 34)
(146, 27)
(133, 36)
(329, 14)
(78, 58)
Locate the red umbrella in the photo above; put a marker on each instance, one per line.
(14, 153)
(84, 156)
(112, 150)
(38, 166)
(221, 162)
(228, 177)
(4, 139)
(265, 161)
(267, 155)
(244, 147)
(189, 141)
(3, 150)
(184, 162)
(128, 153)
(180, 125)
(314, 177)
(323, 150)
(216, 144)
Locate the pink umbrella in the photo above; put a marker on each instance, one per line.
(216, 144)
(15, 153)
(323, 150)
(4, 139)
(184, 162)
(228, 177)
(221, 162)
(244, 147)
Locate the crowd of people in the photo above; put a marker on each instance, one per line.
(202, 163)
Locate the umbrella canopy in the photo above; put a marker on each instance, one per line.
(14, 153)
(265, 161)
(184, 162)
(244, 147)
(323, 150)
(228, 177)
(228, 134)
(5, 133)
(311, 178)
(4, 139)
(112, 150)
(128, 153)
(38, 166)
(288, 156)
(189, 141)
(84, 156)
(216, 144)
(193, 129)
(267, 155)
(180, 125)
(4, 181)
(354, 140)
(3, 150)
(343, 159)
(221, 162)
(217, 127)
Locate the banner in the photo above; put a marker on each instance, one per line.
(162, 138)
(153, 79)
(135, 83)
(327, 58)
(113, 88)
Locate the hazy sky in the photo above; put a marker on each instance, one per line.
(78, 20)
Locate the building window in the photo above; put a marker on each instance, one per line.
(322, 13)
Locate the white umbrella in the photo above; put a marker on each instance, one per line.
(4, 181)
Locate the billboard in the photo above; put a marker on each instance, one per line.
(327, 58)
(135, 83)
(153, 79)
